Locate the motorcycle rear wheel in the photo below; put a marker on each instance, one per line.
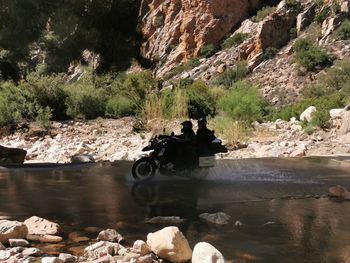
(144, 169)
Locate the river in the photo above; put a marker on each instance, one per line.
(282, 204)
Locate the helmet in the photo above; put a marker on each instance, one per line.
(187, 124)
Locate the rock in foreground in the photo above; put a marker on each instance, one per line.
(12, 229)
(205, 253)
(170, 244)
(41, 226)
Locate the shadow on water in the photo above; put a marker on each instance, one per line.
(280, 202)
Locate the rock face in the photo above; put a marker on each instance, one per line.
(205, 253)
(176, 29)
(12, 229)
(41, 226)
(12, 155)
(170, 244)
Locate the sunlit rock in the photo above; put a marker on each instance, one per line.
(170, 244)
(12, 229)
(41, 226)
(203, 252)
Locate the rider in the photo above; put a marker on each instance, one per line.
(185, 147)
(187, 134)
(204, 137)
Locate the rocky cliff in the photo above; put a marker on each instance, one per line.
(175, 30)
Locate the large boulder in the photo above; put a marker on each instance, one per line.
(12, 155)
(41, 226)
(12, 229)
(205, 253)
(170, 244)
(307, 114)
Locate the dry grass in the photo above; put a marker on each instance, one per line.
(233, 132)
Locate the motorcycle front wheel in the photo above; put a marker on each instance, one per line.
(144, 169)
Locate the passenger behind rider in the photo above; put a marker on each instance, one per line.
(204, 137)
(185, 146)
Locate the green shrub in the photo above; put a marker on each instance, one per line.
(16, 104)
(269, 53)
(343, 32)
(235, 40)
(310, 56)
(321, 118)
(49, 92)
(85, 101)
(333, 80)
(243, 103)
(44, 117)
(264, 12)
(207, 50)
(309, 128)
(119, 106)
(293, 33)
(230, 130)
(200, 101)
(231, 76)
(291, 3)
(136, 86)
(159, 22)
(322, 14)
(322, 103)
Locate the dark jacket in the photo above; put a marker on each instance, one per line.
(204, 135)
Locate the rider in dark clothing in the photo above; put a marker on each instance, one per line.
(204, 137)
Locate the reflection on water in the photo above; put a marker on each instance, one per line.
(280, 202)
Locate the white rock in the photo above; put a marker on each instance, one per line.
(4, 255)
(12, 229)
(18, 242)
(51, 260)
(298, 153)
(307, 114)
(205, 253)
(31, 252)
(41, 226)
(67, 258)
(217, 218)
(141, 247)
(336, 113)
(170, 244)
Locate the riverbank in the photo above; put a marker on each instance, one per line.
(112, 140)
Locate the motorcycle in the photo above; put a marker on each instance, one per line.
(169, 156)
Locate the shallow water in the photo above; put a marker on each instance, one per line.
(281, 202)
